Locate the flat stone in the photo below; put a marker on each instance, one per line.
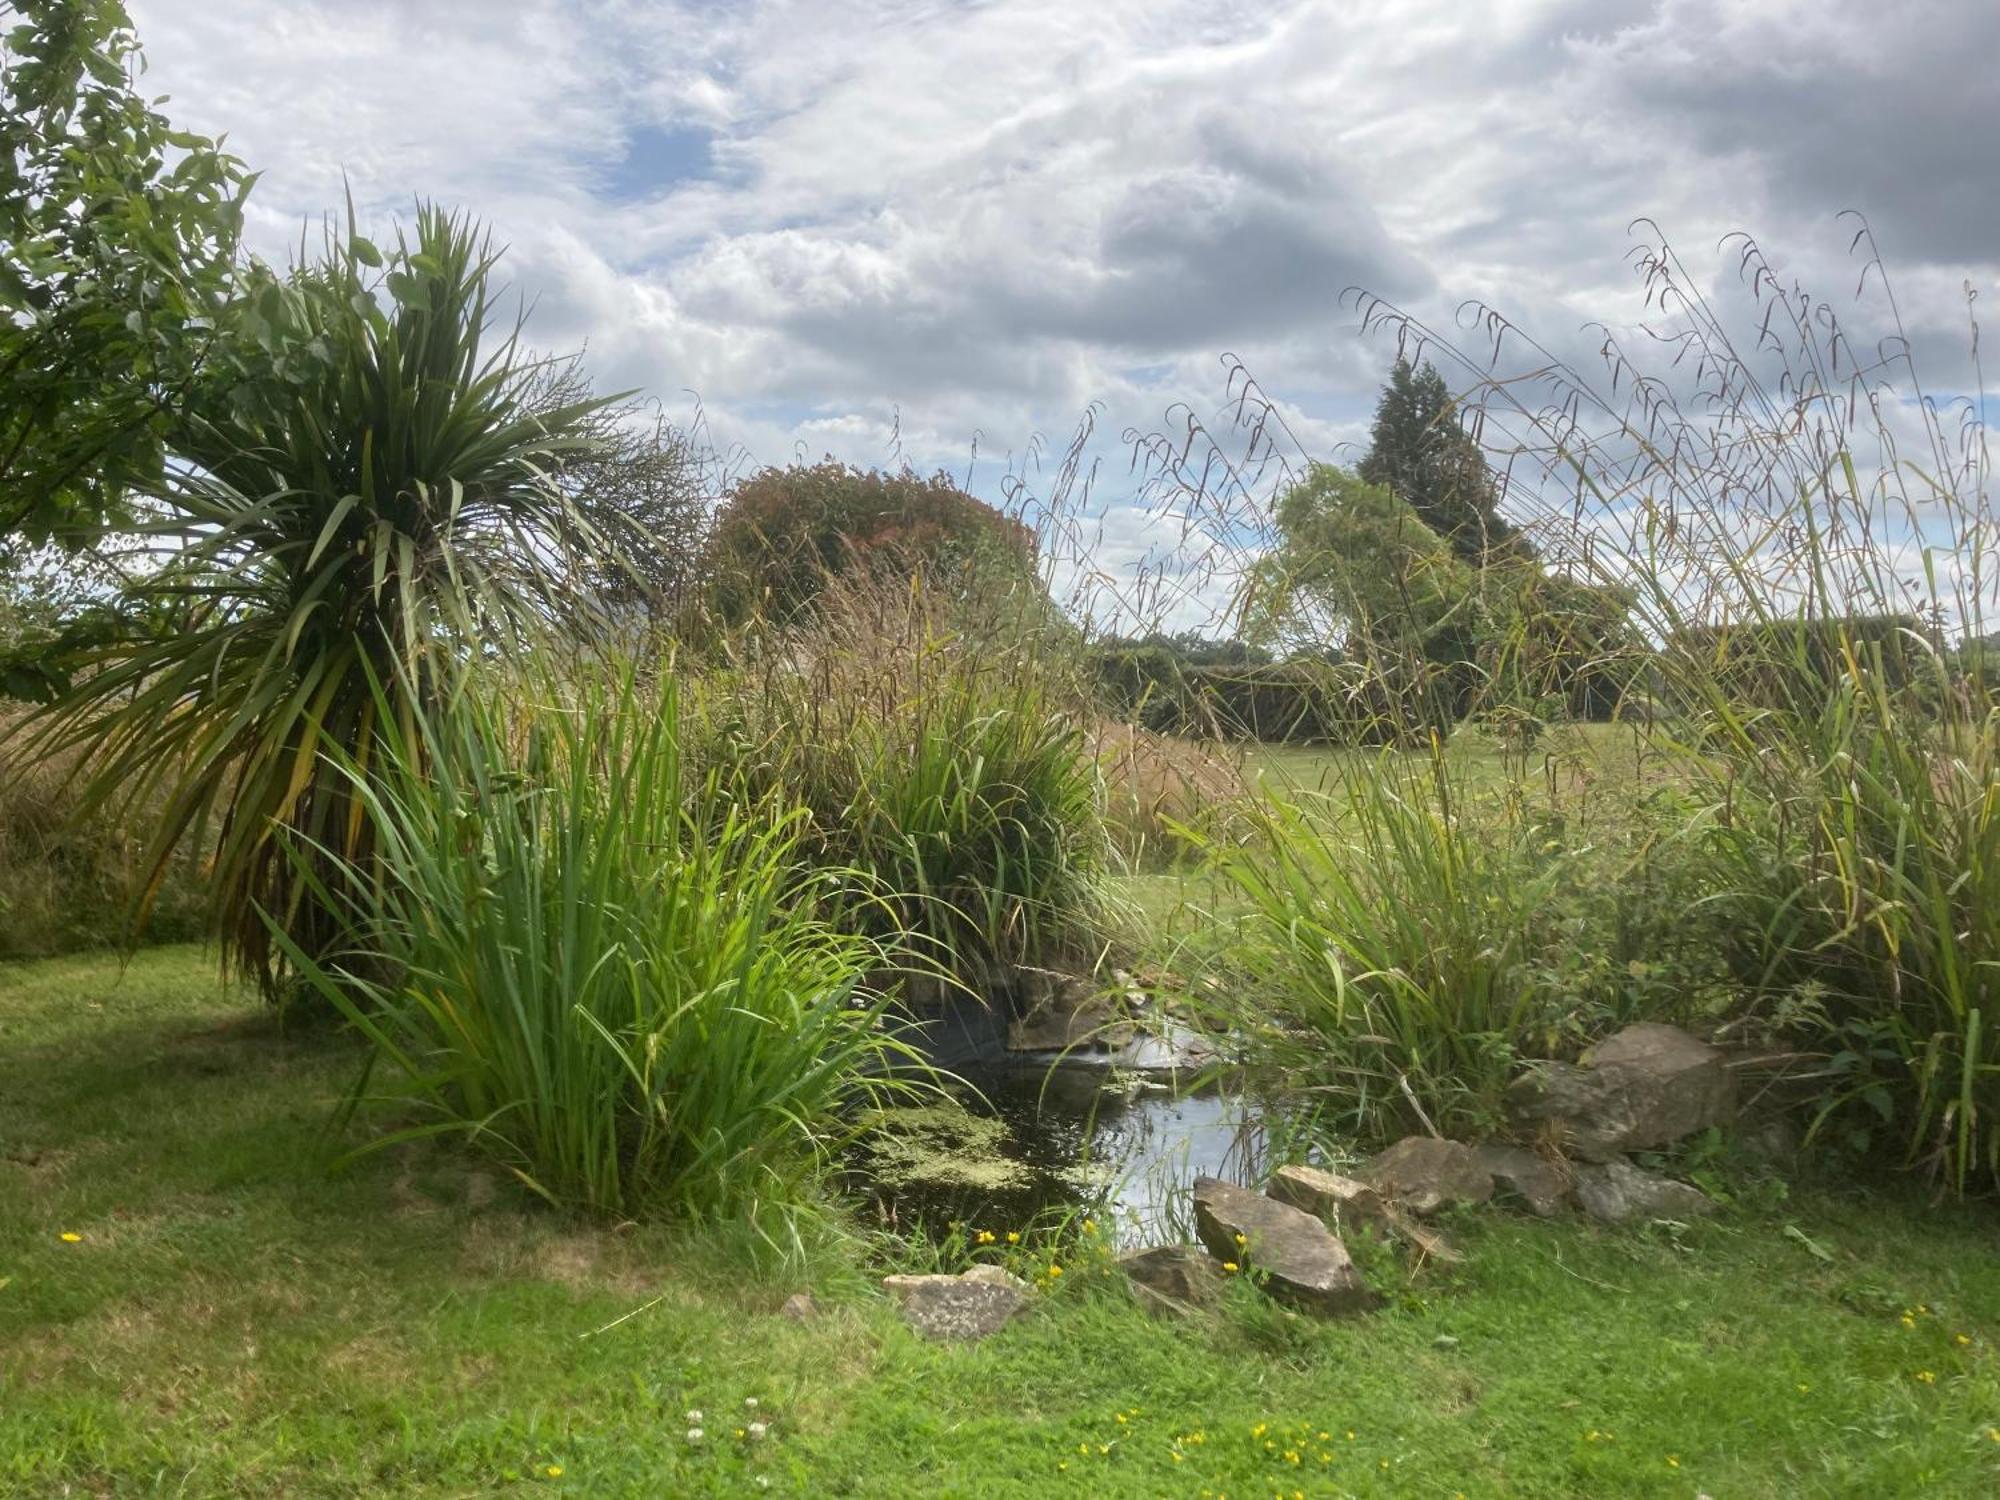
(1300, 1260)
(1172, 1278)
(1348, 1204)
(1647, 1086)
(1617, 1192)
(1343, 1202)
(1535, 1180)
(956, 1308)
(1424, 1174)
(993, 1276)
(799, 1307)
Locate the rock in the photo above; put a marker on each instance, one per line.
(1646, 1086)
(957, 1308)
(799, 1307)
(1349, 1205)
(1172, 1278)
(1424, 1174)
(1538, 1182)
(1059, 1012)
(994, 1276)
(1301, 1261)
(1343, 1202)
(1616, 1191)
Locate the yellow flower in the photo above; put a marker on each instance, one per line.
(1055, 1270)
(1927, 1377)
(554, 1471)
(1672, 1462)
(1350, 1434)
(1242, 1239)
(1230, 1266)
(1062, 1463)
(1324, 1436)
(1908, 1321)
(984, 1237)
(71, 1237)
(1260, 1429)
(1993, 1433)
(1960, 1339)
(1119, 1419)
(1090, 1226)
(1177, 1458)
(1013, 1238)
(1803, 1387)
(1291, 1455)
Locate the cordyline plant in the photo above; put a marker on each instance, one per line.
(364, 499)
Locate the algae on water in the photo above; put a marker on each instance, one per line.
(940, 1145)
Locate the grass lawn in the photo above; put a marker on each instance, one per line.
(235, 1319)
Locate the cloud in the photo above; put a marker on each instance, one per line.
(911, 227)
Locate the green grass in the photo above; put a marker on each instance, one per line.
(236, 1320)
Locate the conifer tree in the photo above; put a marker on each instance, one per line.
(1419, 451)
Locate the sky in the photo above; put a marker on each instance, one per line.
(944, 233)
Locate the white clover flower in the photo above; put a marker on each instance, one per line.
(751, 1402)
(756, 1430)
(694, 1418)
(694, 1434)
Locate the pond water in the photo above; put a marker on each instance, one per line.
(1121, 1133)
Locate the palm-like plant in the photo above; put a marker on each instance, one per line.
(363, 501)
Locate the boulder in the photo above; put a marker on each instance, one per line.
(1300, 1260)
(958, 1308)
(1646, 1086)
(1616, 1192)
(1172, 1278)
(800, 1308)
(1424, 1174)
(1535, 1180)
(1344, 1202)
(1058, 1011)
(1348, 1204)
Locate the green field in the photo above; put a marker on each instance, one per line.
(235, 1317)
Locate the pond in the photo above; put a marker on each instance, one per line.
(1120, 1132)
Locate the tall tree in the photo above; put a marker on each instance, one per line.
(118, 247)
(1419, 450)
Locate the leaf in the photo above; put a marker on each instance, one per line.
(365, 252)
(1812, 1247)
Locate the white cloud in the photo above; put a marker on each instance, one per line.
(912, 225)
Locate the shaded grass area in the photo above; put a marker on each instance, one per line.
(237, 1320)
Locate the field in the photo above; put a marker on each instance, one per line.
(237, 1316)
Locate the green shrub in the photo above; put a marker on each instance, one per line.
(71, 880)
(598, 968)
(945, 772)
(1408, 942)
(784, 533)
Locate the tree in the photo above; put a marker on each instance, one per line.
(118, 248)
(1357, 569)
(370, 509)
(784, 532)
(1418, 450)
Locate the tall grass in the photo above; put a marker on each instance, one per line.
(1410, 938)
(945, 771)
(598, 968)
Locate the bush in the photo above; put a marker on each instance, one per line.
(1408, 943)
(599, 969)
(946, 772)
(784, 533)
(71, 880)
